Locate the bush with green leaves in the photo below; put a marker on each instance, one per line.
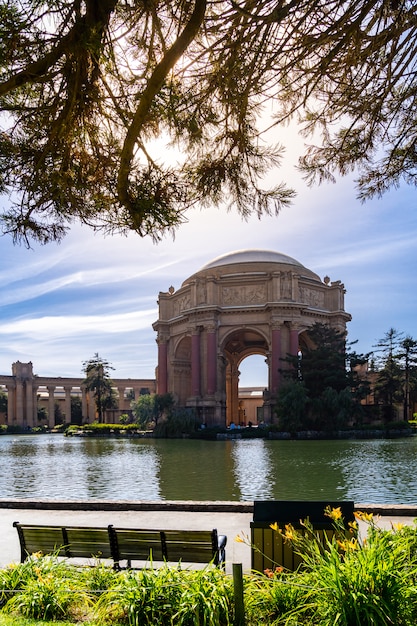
(342, 580)
(43, 589)
(169, 596)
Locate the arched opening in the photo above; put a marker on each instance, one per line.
(239, 346)
(253, 371)
(253, 381)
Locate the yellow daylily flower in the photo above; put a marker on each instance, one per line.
(335, 513)
(352, 544)
(364, 517)
(353, 526)
(290, 532)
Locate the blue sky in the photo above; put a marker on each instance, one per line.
(60, 304)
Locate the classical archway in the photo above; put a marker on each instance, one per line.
(237, 346)
(243, 303)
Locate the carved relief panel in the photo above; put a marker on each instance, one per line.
(313, 297)
(245, 294)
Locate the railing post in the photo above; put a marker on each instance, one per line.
(238, 595)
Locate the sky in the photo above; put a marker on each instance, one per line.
(62, 303)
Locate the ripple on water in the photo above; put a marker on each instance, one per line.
(56, 467)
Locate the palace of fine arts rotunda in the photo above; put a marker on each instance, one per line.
(248, 302)
(245, 303)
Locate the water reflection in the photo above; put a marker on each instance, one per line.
(304, 470)
(252, 469)
(196, 470)
(60, 468)
(381, 471)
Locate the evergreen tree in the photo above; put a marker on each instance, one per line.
(292, 407)
(87, 87)
(408, 356)
(324, 385)
(389, 381)
(323, 362)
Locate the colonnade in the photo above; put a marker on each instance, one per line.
(26, 392)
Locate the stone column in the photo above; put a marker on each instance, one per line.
(275, 359)
(29, 404)
(294, 342)
(232, 382)
(68, 404)
(11, 400)
(211, 361)
(84, 406)
(20, 417)
(121, 403)
(195, 363)
(51, 406)
(91, 408)
(162, 383)
(35, 403)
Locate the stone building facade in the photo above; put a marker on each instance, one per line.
(240, 304)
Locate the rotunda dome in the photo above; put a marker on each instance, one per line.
(251, 256)
(252, 260)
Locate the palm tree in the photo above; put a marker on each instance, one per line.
(98, 381)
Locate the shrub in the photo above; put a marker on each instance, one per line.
(348, 582)
(168, 596)
(45, 589)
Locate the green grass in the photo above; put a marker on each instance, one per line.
(10, 620)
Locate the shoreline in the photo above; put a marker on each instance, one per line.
(193, 506)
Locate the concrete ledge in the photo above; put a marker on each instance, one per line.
(385, 510)
(388, 510)
(127, 505)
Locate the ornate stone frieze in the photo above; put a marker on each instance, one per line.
(182, 304)
(313, 297)
(244, 294)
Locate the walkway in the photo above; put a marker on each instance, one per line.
(230, 518)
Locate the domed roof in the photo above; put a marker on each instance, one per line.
(249, 261)
(251, 256)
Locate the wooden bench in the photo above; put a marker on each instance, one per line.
(122, 544)
(187, 546)
(269, 550)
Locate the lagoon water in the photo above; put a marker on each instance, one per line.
(60, 468)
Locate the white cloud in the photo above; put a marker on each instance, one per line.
(61, 304)
(50, 327)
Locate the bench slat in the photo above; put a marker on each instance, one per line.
(135, 544)
(192, 546)
(44, 539)
(84, 542)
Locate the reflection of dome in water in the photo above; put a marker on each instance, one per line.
(245, 261)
